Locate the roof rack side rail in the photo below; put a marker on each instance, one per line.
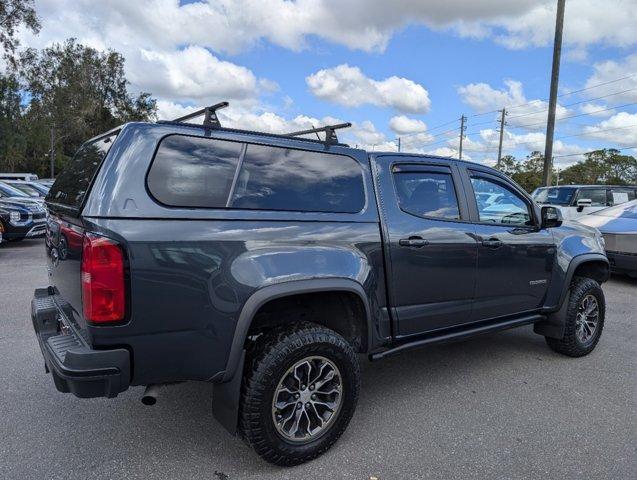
(210, 115)
(330, 132)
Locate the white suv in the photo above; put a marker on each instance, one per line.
(577, 200)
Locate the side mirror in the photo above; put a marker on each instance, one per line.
(583, 202)
(551, 217)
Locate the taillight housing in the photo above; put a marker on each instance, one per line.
(103, 285)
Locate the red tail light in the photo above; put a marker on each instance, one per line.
(103, 290)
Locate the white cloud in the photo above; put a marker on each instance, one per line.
(446, 152)
(363, 134)
(168, 110)
(596, 110)
(350, 87)
(586, 22)
(611, 70)
(402, 125)
(235, 25)
(192, 73)
(622, 129)
(522, 113)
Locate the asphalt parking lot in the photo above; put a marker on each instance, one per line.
(500, 406)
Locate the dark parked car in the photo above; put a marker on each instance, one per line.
(619, 227)
(264, 263)
(26, 216)
(22, 219)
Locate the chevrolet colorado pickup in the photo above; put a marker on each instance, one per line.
(265, 263)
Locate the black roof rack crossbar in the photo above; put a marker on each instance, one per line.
(330, 132)
(210, 115)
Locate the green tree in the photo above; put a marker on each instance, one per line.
(605, 166)
(529, 174)
(77, 92)
(13, 15)
(509, 165)
(11, 145)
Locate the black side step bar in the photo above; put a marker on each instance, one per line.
(456, 334)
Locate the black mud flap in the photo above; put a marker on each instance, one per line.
(226, 397)
(555, 323)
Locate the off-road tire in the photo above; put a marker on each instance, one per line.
(268, 360)
(570, 344)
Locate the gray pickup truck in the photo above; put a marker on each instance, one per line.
(265, 263)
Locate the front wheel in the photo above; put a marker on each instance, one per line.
(584, 319)
(299, 393)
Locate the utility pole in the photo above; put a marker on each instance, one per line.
(399, 144)
(52, 152)
(463, 119)
(504, 112)
(555, 76)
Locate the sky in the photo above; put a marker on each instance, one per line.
(401, 68)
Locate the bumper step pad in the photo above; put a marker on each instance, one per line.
(76, 368)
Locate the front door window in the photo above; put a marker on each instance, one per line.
(498, 204)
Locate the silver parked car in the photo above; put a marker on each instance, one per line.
(618, 225)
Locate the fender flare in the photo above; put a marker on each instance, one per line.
(279, 290)
(555, 321)
(576, 262)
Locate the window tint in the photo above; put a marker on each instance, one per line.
(621, 195)
(597, 196)
(71, 185)
(427, 194)
(193, 172)
(284, 179)
(498, 204)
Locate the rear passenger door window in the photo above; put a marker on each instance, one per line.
(427, 194)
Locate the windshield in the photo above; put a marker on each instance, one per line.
(9, 191)
(625, 210)
(26, 188)
(554, 196)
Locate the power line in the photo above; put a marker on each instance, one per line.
(592, 151)
(536, 112)
(530, 142)
(574, 135)
(577, 115)
(576, 103)
(575, 91)
(511, 107)
(532, 113)
(430, 130)
(598, 85)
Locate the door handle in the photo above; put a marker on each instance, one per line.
(415, 242)
(492, 243)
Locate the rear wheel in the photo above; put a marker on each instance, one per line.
(584, 319)
(299, 393)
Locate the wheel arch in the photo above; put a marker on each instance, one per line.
(283, 290)
(591, 265)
